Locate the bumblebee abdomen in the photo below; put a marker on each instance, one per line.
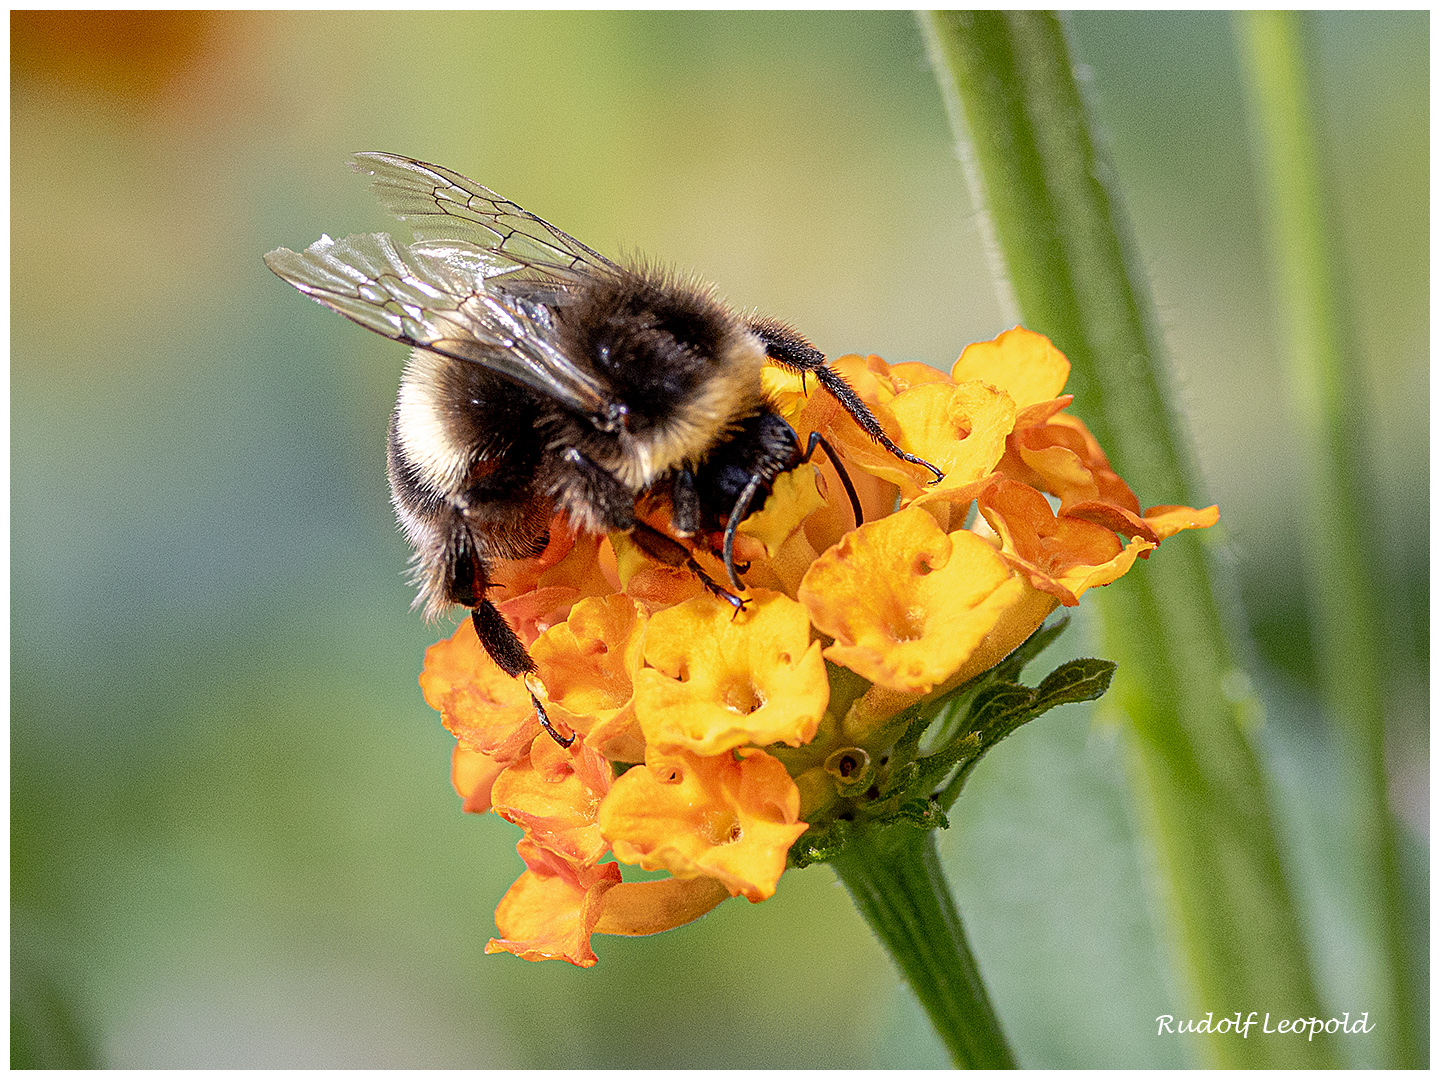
(463, 454)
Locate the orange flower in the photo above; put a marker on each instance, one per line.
(588, 665)
(553, 794)
(534, 594)
(551, 910)
(736, 732)
(822, 413)
(1064, 459)
(731, 820)
(639, 908)
(1060, 555)
(473, 775)
(487, 710)
(787, 527)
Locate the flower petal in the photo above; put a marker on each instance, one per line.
(1024, 364)
(479, 704)
(824, 413)
(473, 774)
(785, 389)
(783, 571)
(588, 664)
(553, 794)
(1064, 459)
(960, 429)
(638, 908)
(648, 583)
(793, 498)
(1061, 555)
(1169, 520)
(568, 561)
(902, 377)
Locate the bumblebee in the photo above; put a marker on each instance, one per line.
(544, 377)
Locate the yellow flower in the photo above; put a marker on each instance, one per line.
(713, 739)
(906, 602)
(794, 499)
(718, 679)
(961, 428)
(1025, 365)
(727, 819)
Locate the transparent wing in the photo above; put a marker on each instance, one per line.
(434, 294)
(443, 205)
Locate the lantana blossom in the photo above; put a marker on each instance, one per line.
(709, 738)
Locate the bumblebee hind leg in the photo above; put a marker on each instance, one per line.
(509, 653)
(463, 571)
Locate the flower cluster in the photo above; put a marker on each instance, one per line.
(709, 739)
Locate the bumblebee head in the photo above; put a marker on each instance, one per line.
(679, 371)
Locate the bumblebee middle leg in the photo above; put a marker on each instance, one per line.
(663, 549)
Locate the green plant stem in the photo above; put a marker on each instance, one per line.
(895, 879)
(1200, 792)
(1324, 376)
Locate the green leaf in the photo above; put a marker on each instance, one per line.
(1077, 680)
(918, 813)
(997, 706)
(900, 779)
(933, 767)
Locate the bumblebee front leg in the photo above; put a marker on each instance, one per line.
(785, 346)
(613, 506)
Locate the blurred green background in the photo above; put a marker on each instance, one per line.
(233, 840)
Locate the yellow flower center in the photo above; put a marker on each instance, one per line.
(741, 697)
(723, 827)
